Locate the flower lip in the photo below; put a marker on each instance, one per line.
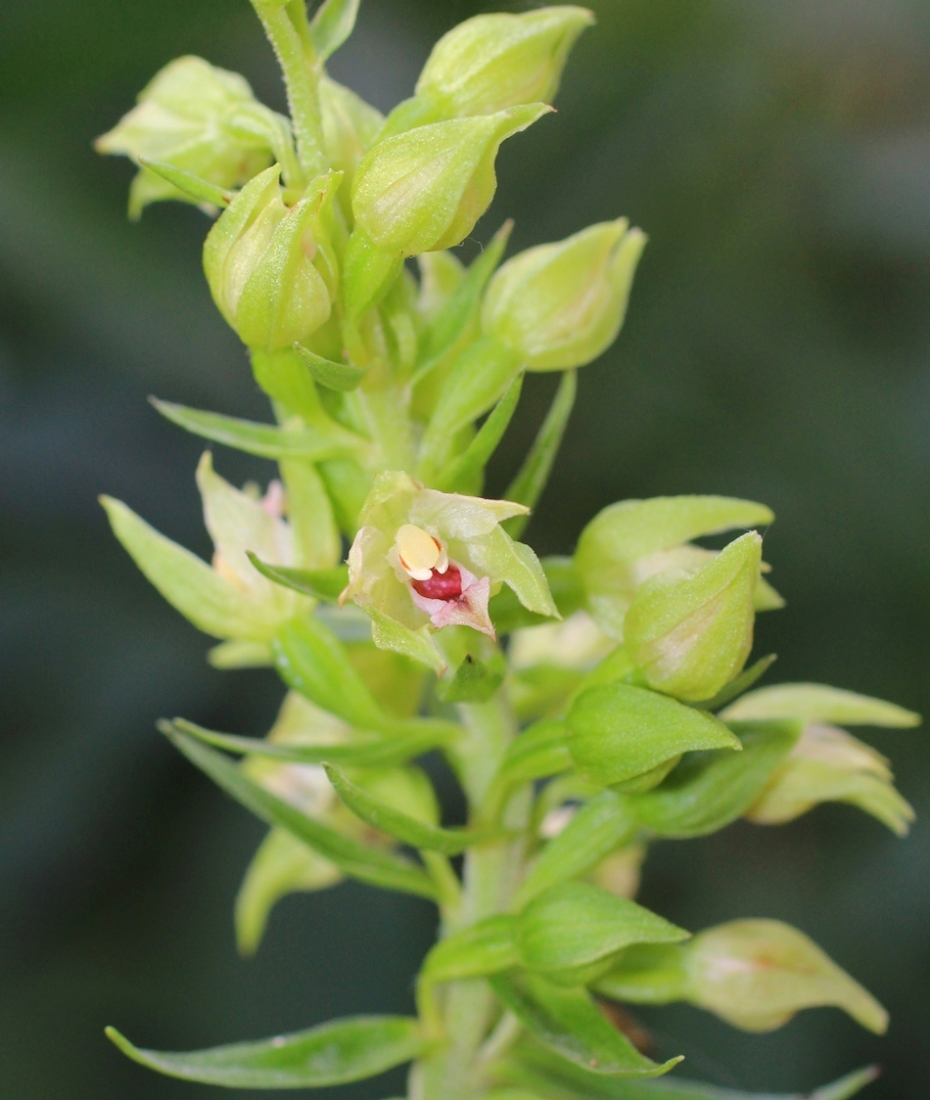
(440, 586)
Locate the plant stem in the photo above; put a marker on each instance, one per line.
(301, 77)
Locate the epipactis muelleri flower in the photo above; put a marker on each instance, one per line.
(425, 557)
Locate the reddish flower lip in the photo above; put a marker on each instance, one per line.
(441, 586)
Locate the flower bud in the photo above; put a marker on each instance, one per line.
(691, 636)
(184, 117)
(265, 262)
(349, 127)
(756, 974)
(424, 190)
(828, 765)
(495, 61)
(560, 305)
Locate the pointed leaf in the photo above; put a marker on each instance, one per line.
(401, 826)
(198, 189)
(332, 25)
(264, 440)
(418, 645)
(818, 703)
(601, 826)
(567, 1021)
(619, 732)
(539, 751)
(704, 795)
(460, 474)
(188, 583)
(577, 923)
(527, 487)
(330, 1054)
(741, 683)
(334, 376)
(371, 752)
(371, 865)
(567, 589)
(321, 584)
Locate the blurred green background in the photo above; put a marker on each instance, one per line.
(778, 348)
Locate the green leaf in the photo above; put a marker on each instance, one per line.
(567, 1021)
(332, 25)
(418, 645)
(601, 826)
(577, 923)
(321, 584)
(198, 189)
(473, 682)
(312, 661)
(281, 866)
(334, 376)
(619, 732)
(527, 487)
(330, 1054)
(818, 703)
(264, 440)
(741, 683)
(187, 582)
(531, 1066)
(370, 752)
(401, 826)
(650, 974)
(484, 948)
(371, 865)
(460, 474)
(704, 795)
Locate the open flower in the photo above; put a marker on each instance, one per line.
(426, 558)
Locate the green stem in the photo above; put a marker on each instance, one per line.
(301, 77)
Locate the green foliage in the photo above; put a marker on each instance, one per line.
(597, 729)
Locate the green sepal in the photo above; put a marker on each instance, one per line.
(240, 653)
(602, 825)
(704, 795)
(369, 752)
(473, 682)
(818, 703)
(530, 1066)
(187, 582)
(371, 865)
(567, 1021)
(334, 376)
(463, 472)
(264, 440)
(527, 487)
(331, 26)
(198, 189)
(321, 584)
(739, 684)
(487, 947)
(576, 923)
(619, 732)
(401, 826)
(508, 614)
(334, 1053)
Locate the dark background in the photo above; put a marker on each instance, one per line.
(778, 348)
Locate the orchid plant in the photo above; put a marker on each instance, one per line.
(589, 706)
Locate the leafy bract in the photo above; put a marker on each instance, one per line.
(321, 584)
(330, 1054)
(619, 732)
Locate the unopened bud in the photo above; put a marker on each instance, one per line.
(495, 61)
(691, 636)
(756, 974)
(265, 262)
(184, 118)
(560, 305)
